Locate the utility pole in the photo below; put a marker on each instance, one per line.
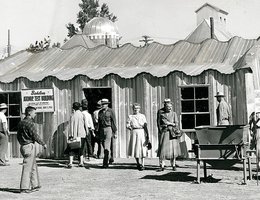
(146, 40)
(8, 45)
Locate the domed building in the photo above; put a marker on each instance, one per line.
(101, 30)
(98, 31)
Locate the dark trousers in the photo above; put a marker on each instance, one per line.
(30, 176)
(3, 147)
(107, 142)
(88, 147)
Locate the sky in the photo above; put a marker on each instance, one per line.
(166, 21)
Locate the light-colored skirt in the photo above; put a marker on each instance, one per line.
(168, 149)
(137, 147)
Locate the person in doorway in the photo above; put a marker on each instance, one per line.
(89, 126)
(168, 149)
(139, 137)
(224, 115)
(107, 130)
(77, 130)
(4, 133)
(96, 139)
(27, 136)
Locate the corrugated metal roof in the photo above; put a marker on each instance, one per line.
(128, 60)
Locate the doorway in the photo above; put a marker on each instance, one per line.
(93, 95)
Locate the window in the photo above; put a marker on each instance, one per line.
(13, 114)
(194, 106)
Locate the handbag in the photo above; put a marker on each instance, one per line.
(175, 133)
(149, 145)
(74, 143)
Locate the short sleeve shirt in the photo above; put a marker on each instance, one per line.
(2, 121)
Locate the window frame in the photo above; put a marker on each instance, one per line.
(194, 103)
(8, 116)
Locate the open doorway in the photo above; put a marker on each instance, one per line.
(93, 95)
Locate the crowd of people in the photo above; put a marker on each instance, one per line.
(99, 129)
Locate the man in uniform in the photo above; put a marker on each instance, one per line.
(107, 130)
(224, 116)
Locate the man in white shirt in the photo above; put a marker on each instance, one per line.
(88, 125)
(3, 134)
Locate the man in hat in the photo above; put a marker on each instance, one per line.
(27, 136)
(88, 125)
(96, 139)
(107, 130)
(3, 134)
(224, 115)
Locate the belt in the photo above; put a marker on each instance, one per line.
(137, 128)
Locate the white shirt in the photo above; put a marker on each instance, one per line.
(2, 121)
(88, 119)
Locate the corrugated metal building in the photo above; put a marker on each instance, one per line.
(190, 74)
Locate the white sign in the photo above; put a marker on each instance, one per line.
(41, 99)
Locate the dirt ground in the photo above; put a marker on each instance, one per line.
(123, 181)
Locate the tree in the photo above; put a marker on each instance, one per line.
(89, 10)
(40, 45)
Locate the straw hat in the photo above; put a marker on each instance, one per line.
(220, 94)
(3, 106)
(104, 101)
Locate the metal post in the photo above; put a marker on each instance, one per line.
(257, 169)
(211, 27)
(198, 171)
(205, 169)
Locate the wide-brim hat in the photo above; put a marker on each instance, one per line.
(104, 101)
(3, 106)
(219, 94)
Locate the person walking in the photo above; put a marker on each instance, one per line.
(107, 130)
(168, 148)
(224, 115)
(96, 139)
(4, 133)
(77, 130)
(139, 136)
(89, 126)
(27, 136)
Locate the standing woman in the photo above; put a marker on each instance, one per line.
(3, 134)
(139, 137)
(77, 129)
(168, 149)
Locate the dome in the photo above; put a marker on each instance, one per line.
(100, 26)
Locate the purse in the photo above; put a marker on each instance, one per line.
(149, 145)
(175, 133)
(74, 143)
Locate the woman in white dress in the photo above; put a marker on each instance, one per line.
(139, 137)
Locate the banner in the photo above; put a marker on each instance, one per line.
(41, 99)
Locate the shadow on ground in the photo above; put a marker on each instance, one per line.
(179, 177)
(52, 163)
(12, 190)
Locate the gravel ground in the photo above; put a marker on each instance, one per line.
(123, 181)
